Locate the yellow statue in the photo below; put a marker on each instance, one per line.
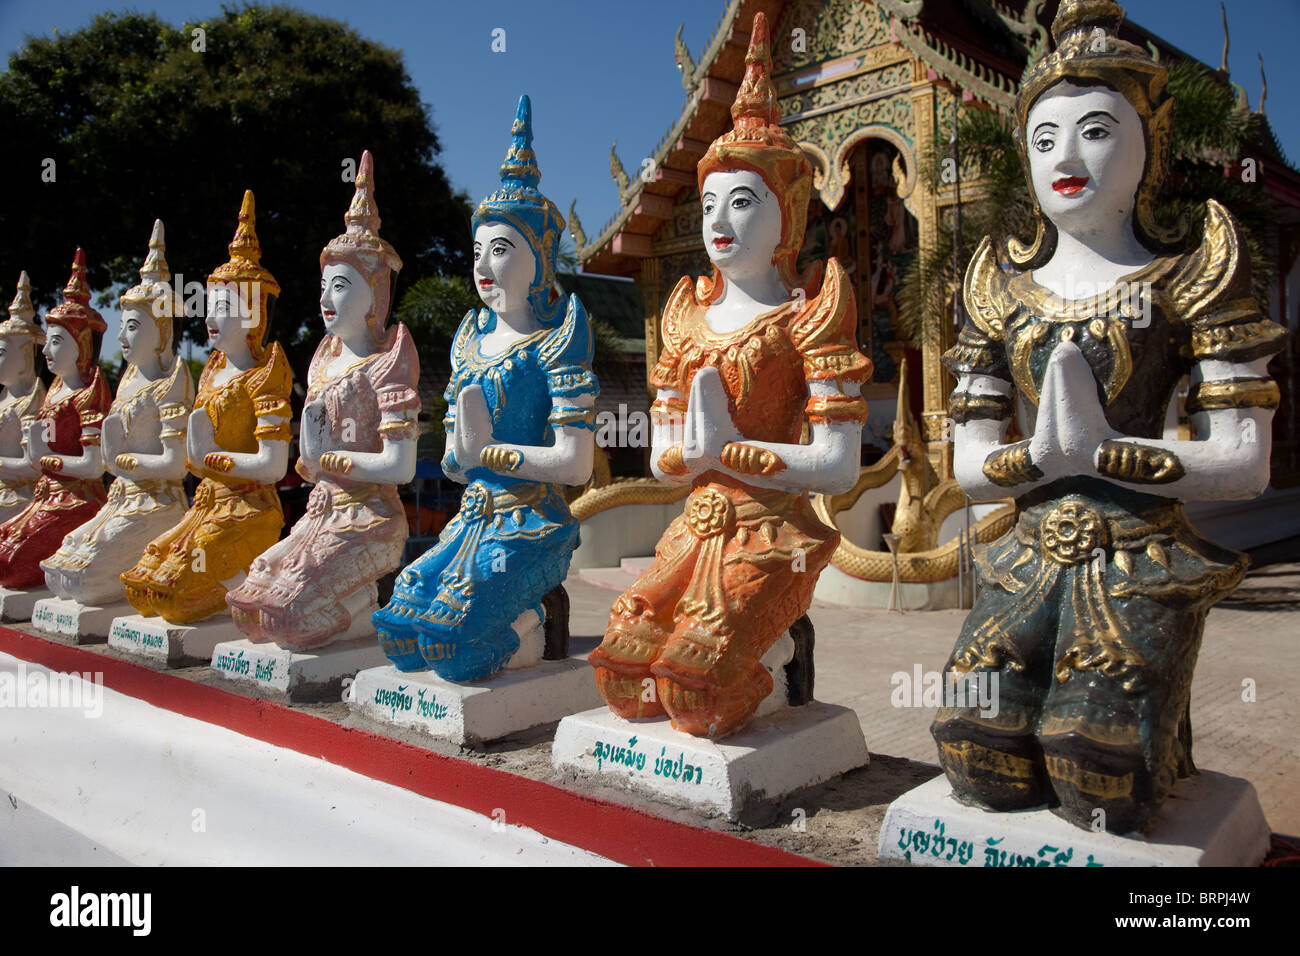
(237, 442)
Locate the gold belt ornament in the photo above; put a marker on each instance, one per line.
(476, 502)
(1067, 537)
(1071, 531)
(710, 513)
(1074, 528)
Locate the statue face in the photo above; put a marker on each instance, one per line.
(1086, 151)
(504, 266)
(228, 319)
(742, 222)
(139, 336)
(13, 362)
(60, 351)
(345, 299)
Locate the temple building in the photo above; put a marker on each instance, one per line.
(870, 89)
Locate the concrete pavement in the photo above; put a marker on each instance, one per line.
(1251, 644)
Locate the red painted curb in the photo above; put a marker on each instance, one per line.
(620, 833)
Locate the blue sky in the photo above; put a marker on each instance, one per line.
(604, 71)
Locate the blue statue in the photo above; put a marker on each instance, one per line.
(519, 424)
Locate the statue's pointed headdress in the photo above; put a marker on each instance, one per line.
(76, 315)
(1089, 52)
(758, 143)
(22, 314)
(520, 203)
(361, 247)
(244, 268)
(154, 292)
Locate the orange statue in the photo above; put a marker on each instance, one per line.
(237, 442)
(751, 357)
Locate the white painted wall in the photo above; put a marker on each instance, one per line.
(123, 787)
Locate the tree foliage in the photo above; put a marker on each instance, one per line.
(142, 125)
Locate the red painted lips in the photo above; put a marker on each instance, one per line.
(1070, 185)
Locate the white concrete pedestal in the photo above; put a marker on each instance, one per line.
(17, 606)
(513, 700)
(286, 674)
(85, 623)
(172, 644)
(1210, 819)
(739, 776)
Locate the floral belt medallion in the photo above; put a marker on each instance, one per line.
(1071, 531)
(710, 513)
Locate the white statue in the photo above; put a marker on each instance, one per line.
(142, 442)
(20, 400)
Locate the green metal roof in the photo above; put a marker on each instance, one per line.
(616, 302)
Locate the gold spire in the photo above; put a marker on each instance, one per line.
(245, 263)
(76, 315)
(75, 312)
(22, 314)
(758, 142)
(244, 269)
(361, 247)
(363, 213)
(154, 292)
(755, 104)
(360, 239)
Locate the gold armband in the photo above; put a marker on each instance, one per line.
(500, 458)
(272, 406)
(663, 408)
(397, 431)
(1010, 465)
(51, 463)
(216, 461)
(89, 440)
(823, 409)
(1237, 393)
(281, 432)
(750, 460)
(965, 407)
(335, 463)
(670, 462)
(572, 415)
(126, 462)
(1140, 464)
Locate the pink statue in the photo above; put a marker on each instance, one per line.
(357, 443)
